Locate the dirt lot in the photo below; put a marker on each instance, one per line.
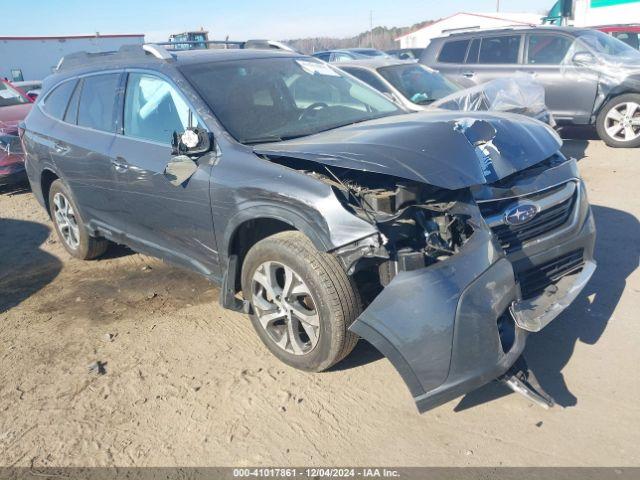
(187, 383)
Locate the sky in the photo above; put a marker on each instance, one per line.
(241, 19)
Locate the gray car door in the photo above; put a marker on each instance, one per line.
(498, 56)
(570, 89)
(172, 222)
(82, 144)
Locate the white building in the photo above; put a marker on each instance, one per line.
(462, 21)
(589, 13)
(33, 58)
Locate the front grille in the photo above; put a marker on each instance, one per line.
(511, 237)
(534, 280)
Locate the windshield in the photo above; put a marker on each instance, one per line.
(417, 83)
(370, 53)
(608, 46)
(271, 99)
(9, 96)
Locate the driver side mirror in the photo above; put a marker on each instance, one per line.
(584, 58)
(193, 141)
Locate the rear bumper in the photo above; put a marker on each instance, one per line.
(450, 328)
(12, 173)
(12, 169)
(13, 178)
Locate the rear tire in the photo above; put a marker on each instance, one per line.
(301, 283)
(69, 226)
(618, 123)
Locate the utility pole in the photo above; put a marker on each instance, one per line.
(371, 28)
(497, 5)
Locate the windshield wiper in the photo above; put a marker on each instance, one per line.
(282, 138)
(253, 141)
(275, 138)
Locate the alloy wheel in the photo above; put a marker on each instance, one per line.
(65, 218)
(285, 308)
(622, 122)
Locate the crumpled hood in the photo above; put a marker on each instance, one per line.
(446, 149)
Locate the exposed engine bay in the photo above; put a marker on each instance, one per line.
(419, 225)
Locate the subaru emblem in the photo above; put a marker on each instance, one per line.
(520, 214)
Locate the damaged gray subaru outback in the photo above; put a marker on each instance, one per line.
(324, 211)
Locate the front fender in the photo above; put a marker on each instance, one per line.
(314, 226)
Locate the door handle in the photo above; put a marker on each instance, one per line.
(60, 147)
(119, 164)
(468, 73)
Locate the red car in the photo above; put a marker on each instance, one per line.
(629, 34)
(14, 107)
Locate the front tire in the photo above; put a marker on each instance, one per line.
(618, 123)
(302, 300)
(70, 228)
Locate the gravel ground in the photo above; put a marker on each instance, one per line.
(126, 361)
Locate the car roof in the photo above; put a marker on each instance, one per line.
(375, 62)
(219, 55)
(348, 50)
(131, 56)
(518, 29)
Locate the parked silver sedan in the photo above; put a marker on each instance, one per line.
(410, 84)
(417, 87)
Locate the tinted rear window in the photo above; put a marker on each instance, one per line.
(453, 52)
(55, 103)
(97, 102)
(500, 50)
(472, 56)
(71, 116)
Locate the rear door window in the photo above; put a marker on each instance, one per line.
(71, 115)
(98, 101)
(474, 49)
(500, 50)
(55, 103)
(547, 49)
(453, 52)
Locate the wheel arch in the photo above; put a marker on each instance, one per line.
(248, 227)
(47, 177)
(629, 85)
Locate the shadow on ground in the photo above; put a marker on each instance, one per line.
(576, 139)
(617, 253)
(24, 267)
(15, 189)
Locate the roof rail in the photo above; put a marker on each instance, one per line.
(79, 59)
(253, 43)
(157, 51)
